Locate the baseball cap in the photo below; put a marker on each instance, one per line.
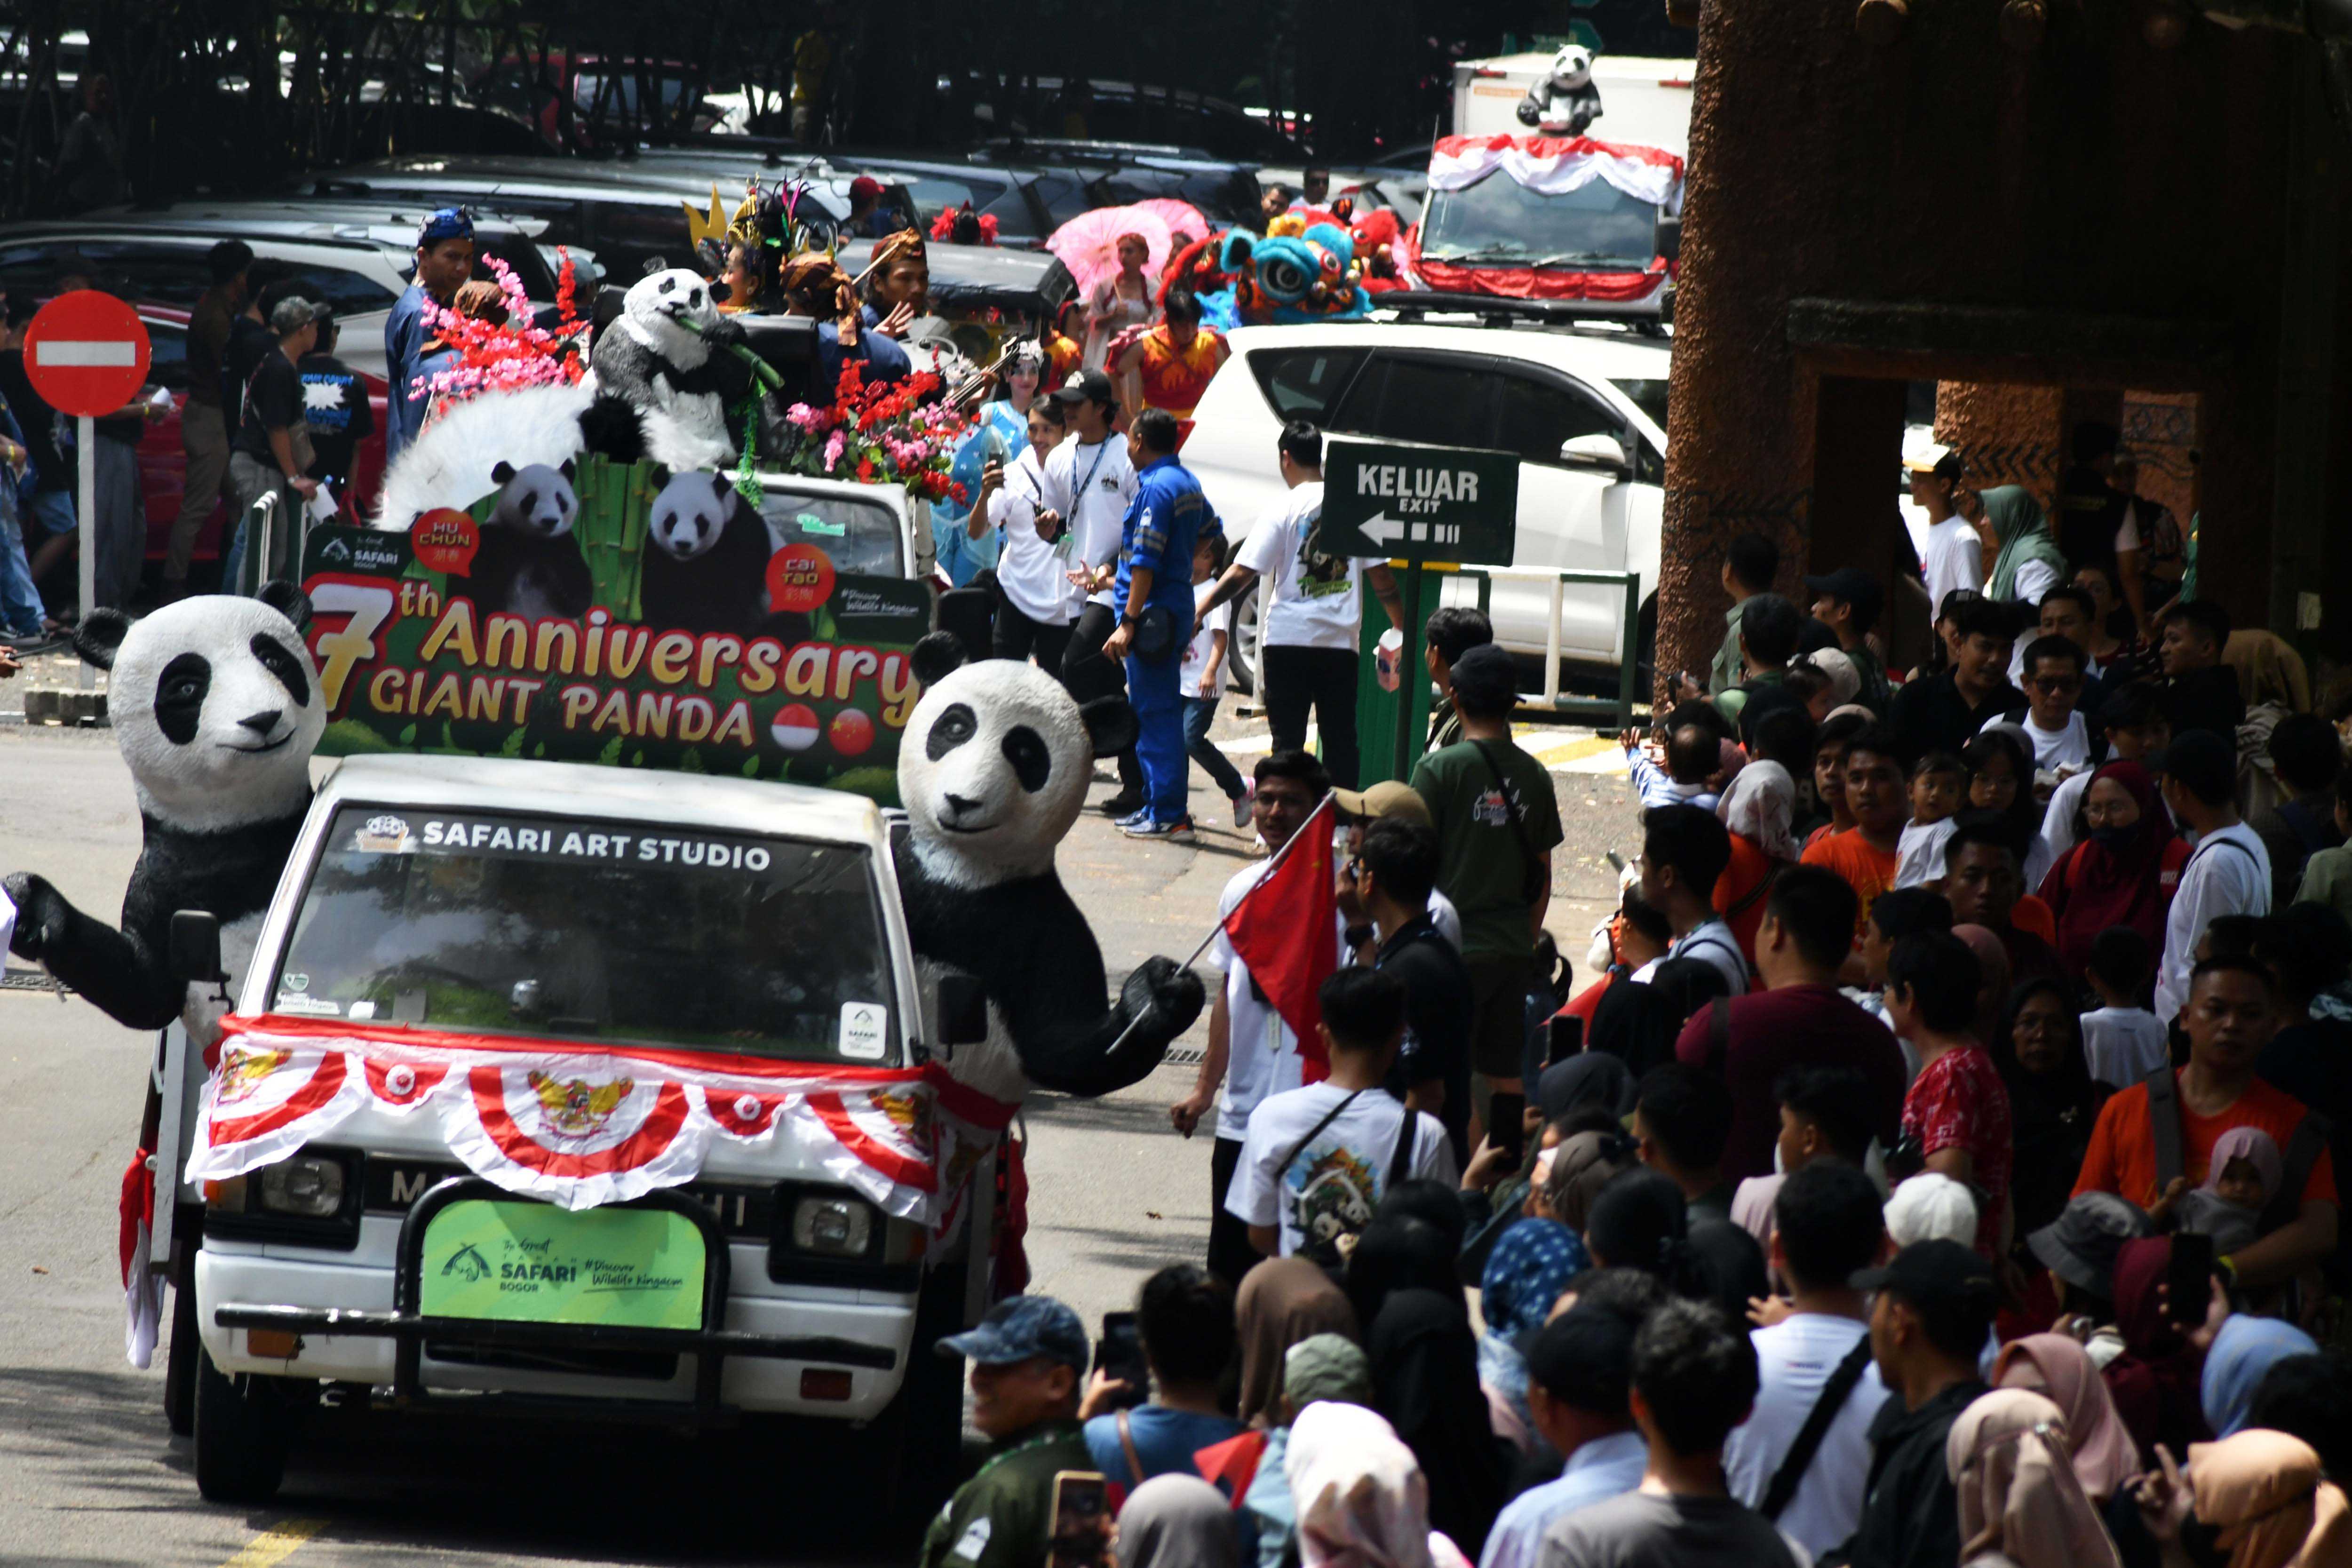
(1326, 1366)
(1086, 386)
(1390, 797)
(1931, 1273)
(1853, 584)
(291, 314)
(1486, 679)
(866, 185)
(2205, 764)
(2081, 1244)
(1923, 459)
(446, 223)
(1020, 1328)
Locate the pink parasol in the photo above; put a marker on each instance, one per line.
(1089, 243)
(1181, 217)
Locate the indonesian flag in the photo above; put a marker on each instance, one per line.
(1282, 929)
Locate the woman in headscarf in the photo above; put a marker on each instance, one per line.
(1282, 1301)
(2057, 1367)
(2021, 1503)
(1426, 1381)
(1530, 1266)
(2030, 564)
(1992, 961)
(2154, 1383)
(2116, 876)
(2053, 1102)
(2245, 1348)
(1580, 1168)
(1637, 1023)
(1397, 1252)
(1758, 810)
(2263, 1495)
(1178, 1521)
(1362, 1501)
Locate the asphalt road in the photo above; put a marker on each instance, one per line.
(89, 1475)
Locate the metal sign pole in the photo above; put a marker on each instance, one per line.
(86, 531)
(1410, 667)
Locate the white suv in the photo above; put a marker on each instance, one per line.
(1585, 409)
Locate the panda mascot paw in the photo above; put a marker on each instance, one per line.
(215, 706)
(992, 770)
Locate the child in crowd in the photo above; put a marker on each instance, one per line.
(1693, 756)
(1999, 772)
(2123, 1042)
(1937, 787)
(2246, 1171)
(2055, 670)
(1201, 678)
(1831, 813)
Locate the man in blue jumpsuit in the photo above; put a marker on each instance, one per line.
(1153, 591)
(445, 258)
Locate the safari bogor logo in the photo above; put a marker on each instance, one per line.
(466, 1264)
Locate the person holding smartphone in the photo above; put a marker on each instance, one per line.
(1184, 1318)
(1027, 1357)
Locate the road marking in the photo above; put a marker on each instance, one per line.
(84, 352)
(275, 1545)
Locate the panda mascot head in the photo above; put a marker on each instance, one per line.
(1571, 67)
(995, 764)
(670, 312)
(215, 705)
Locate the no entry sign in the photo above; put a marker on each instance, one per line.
(86, 353)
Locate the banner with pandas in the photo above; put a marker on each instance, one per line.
(620, 614)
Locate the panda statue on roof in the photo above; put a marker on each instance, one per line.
(1564, 101)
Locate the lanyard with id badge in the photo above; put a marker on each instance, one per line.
(1063, 546)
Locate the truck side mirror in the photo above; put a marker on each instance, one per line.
(962, 1008)
(196, 948)
(1666, 235)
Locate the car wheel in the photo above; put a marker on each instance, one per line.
(245, 1426)
(921, 1434)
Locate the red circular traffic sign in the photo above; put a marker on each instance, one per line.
(86, 352)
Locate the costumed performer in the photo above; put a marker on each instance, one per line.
(1170, 365)
(962, 555)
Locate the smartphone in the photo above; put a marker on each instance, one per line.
(1081, 1521)
(1567, 1039)
(2186, 1279)
(1616, 861)
(1507, 1124)
(1119, 1354)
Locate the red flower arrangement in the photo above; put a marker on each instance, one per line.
(896, 433)
(497, 356)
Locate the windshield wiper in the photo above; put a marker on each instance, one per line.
(1517, 258)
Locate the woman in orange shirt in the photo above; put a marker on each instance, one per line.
(1758, 809)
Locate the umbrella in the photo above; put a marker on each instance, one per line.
(1181, 217)
(1089, 243)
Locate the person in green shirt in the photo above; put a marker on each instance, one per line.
(1027, 1357)
(1769, 627)
(1749, 565)
(1497, 823)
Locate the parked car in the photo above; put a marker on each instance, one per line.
(1585, 409)
(1117, 175)
(1121, 112)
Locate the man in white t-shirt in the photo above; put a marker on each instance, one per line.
(1036, 612)
(1309, 649)
(2229, 873)
(2053, 727)
(1827, 1225)
(1251, 1053)
(1954, 556)
(1090, 482)
(1318, 1159)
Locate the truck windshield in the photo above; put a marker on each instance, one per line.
(1501, 222)
(857, 536)
(563, 928)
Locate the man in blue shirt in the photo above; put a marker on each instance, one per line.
(1153, 591)
(445, 258)
(1579, 1366)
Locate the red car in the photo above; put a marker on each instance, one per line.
(164, 465)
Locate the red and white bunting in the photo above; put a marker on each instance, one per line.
(1555, 165)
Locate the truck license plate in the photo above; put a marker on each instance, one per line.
(535, 1263)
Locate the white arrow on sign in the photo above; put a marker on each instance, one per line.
(1382, 529)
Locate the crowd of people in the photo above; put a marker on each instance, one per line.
(1938, 1168)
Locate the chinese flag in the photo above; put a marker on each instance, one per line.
(1282, 930)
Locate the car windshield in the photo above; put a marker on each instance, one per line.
(859, 537)
(1647, 394)
(1501, 221)
(565, 928)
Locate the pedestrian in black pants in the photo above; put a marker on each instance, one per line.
(1089, 675)
(1089, 480)
(1018, 637)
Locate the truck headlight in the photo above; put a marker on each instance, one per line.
(833, 1227)
(308, 1186)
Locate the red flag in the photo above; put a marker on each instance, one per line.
(1282, 930)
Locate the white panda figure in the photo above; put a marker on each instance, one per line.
(529, 563)
(704, 568)
(1566, 101)
(657, 356)
(216, 708)
(993, 771)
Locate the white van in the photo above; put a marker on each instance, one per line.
(566, 974)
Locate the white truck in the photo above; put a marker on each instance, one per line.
(573, 977)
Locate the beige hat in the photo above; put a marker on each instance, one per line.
(1388, 798)
(1923, 459)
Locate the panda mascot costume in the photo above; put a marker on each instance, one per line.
(666, 356)
(992, 772)
(216, 708)
(1565, 101)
